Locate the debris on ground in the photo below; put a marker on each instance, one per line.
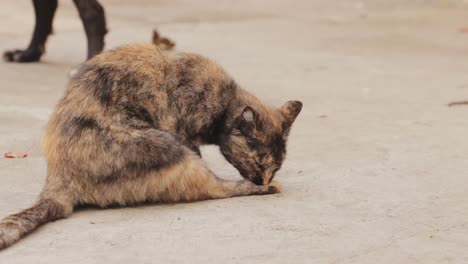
(162, 42)
(13, 155)
(458, 103)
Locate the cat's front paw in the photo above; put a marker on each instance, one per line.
(274, 187)
(27, 55)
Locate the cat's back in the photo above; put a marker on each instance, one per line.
(133, 57)
(134, 87)
(122, 77)
(139, 73)
(125, 70)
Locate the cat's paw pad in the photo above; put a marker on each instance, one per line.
(274, 187)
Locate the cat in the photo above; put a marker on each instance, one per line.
(91, 14)
(128, 130)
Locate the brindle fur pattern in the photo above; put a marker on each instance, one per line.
(129, 127)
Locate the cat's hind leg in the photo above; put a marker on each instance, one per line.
(187, 180)
(150, 166)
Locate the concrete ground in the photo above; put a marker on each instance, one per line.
(377, 164)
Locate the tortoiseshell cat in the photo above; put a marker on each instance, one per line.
(129, 127)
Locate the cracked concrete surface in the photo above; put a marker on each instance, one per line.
(376, 170)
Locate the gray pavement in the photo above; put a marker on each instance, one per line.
(377, 162)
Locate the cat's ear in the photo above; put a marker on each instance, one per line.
(247, 121)
(291, 110)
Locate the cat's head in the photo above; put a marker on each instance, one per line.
(256, 144)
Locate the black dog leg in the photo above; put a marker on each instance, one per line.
(94, 22)
(44, 11)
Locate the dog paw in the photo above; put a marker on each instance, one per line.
(28, 55)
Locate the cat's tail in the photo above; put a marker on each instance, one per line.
(16, 226)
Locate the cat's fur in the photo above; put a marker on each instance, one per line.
(129, 127)
(91, 14)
